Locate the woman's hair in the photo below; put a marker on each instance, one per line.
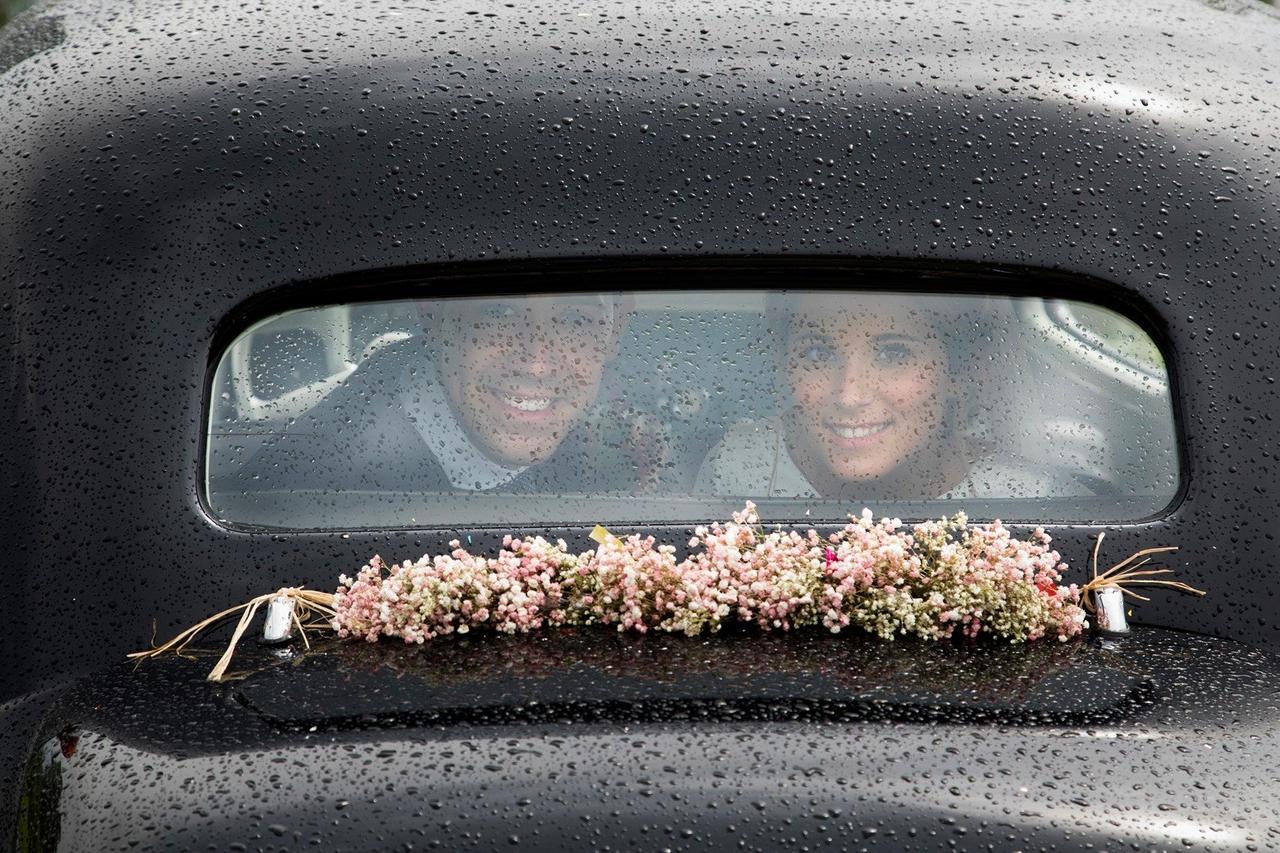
(978, 316)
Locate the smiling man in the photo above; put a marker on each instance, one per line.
(514, 378)
(493, 396)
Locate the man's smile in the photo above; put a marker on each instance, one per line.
(528, 404)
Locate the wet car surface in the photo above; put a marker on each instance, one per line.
(670, 741)
(173, 174)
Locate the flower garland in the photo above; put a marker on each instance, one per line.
(934, 580)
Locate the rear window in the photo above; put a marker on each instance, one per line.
(664, 406)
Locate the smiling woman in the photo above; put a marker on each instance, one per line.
(672, 406)
(883, 397)
(868, 405)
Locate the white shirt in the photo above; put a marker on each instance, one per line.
(464, 464)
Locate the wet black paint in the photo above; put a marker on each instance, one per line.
(166, 167)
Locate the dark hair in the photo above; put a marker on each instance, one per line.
(964, 351)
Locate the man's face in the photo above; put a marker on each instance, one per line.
(520, 372)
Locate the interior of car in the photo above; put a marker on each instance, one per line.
(1071, 388)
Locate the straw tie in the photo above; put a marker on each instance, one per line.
(313, 604)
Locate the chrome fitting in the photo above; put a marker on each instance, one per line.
(1110, 614)
(278, 627)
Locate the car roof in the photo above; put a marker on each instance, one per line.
(170, 169)
(272, 146)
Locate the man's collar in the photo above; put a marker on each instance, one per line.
(467, 468)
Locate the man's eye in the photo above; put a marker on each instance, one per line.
(498, 311)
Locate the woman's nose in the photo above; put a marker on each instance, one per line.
(538, 356)
(854, 387)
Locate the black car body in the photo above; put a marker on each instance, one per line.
(172, 172)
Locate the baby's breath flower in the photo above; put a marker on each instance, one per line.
(936, 580)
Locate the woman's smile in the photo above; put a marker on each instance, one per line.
(858, 435)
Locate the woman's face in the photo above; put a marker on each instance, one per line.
(868, 383)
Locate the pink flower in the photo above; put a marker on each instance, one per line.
(931, 581)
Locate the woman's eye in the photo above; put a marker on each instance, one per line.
(574, 318)
(815, 354)
(894, 353)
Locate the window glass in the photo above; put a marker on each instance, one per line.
(645, 406)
